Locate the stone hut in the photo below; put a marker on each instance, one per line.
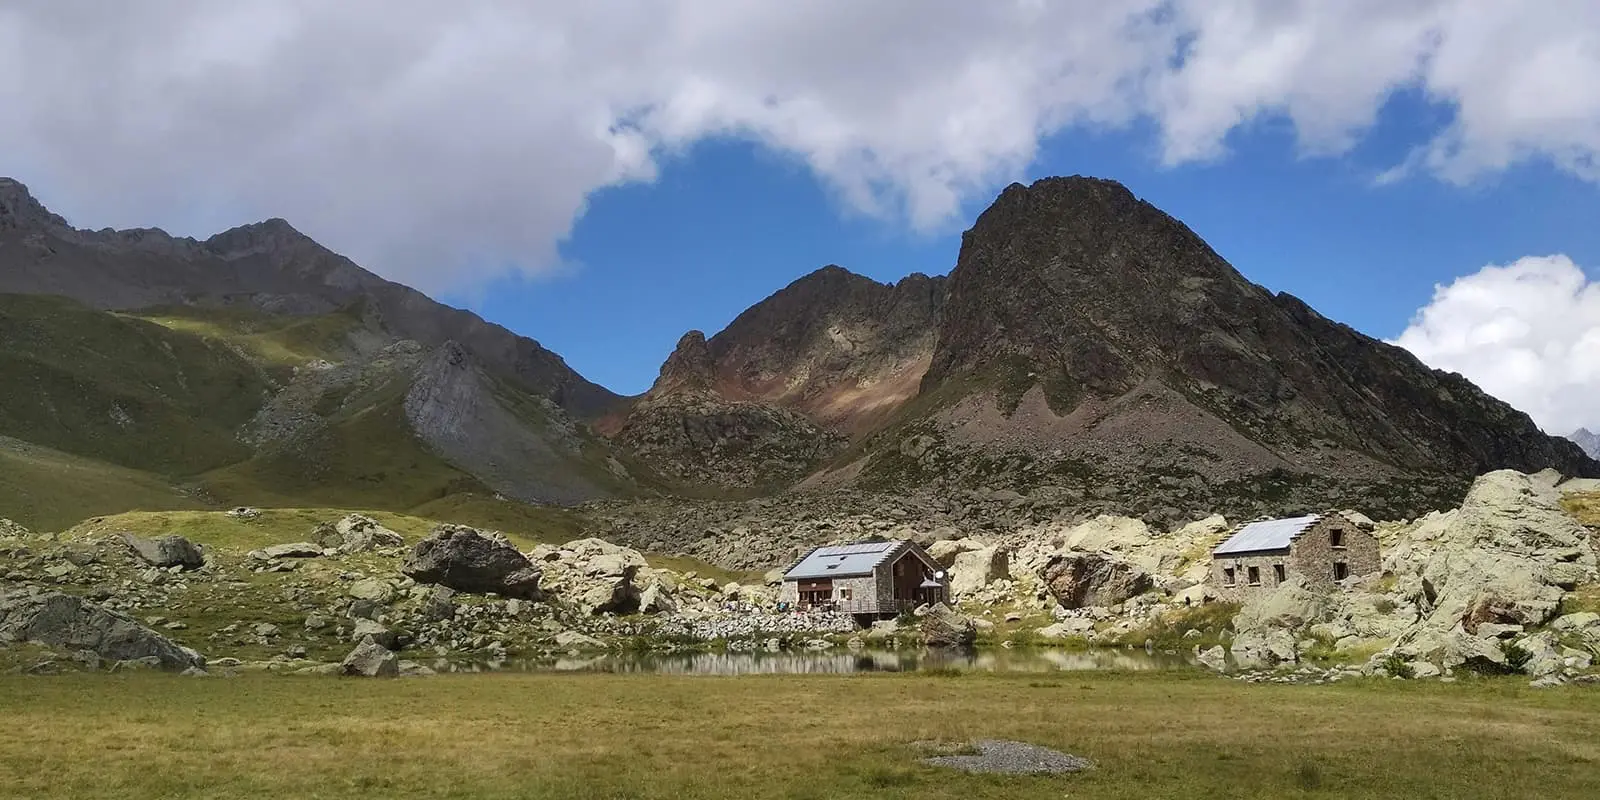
(866, 578)
(1321, 550)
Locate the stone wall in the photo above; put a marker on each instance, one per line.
(1266, 564)
(1313, 554)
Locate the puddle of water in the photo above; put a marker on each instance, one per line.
(839, 662)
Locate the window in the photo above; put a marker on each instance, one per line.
(1227, 576)
(845, 593)
(1278, 574)
(1341, 570)
(1336, 537)
(1255, 576)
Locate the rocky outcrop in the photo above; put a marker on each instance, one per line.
(357, 533)
(72, 623)
(1506, 556)
(166, 551)
(468, 560)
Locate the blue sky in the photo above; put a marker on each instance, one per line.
(729, 222)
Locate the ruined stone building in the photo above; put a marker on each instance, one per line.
(1322, 550)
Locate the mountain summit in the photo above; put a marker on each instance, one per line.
(1089, 338)
(1588, 440)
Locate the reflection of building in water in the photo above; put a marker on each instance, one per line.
(838, 662)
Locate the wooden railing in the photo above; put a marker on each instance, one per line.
(861, 606)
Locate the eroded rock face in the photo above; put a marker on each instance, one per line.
(166, 551)
(468, 560)
(1080, 580)
(72, 623)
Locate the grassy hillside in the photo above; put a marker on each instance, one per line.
(121, 390)
(273, 340)
(50, 490)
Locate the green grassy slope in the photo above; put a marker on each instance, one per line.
(121, 390)
(49, 490)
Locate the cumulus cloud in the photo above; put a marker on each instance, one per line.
(1527, 332)
(441, 142)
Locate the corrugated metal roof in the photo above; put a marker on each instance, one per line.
(1271, 534)
(842, 560)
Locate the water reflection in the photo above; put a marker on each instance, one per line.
(844, 661)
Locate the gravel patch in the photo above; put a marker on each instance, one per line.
(1010, 758)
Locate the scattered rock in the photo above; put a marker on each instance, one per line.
(1011, 758)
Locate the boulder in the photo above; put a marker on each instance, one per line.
(1264, 648)
(945, 551)
(370, 660)
(366, 629)
(656, 600)
(974, 569)
(594, 575)
(440, 605)
(467, 560)
(292, 550)
(943, 627)
(576, 640)
(375, 589)
(69, 622)
(358, 533)
(166, 551)
(1216, 658)
(1290, 606)
(1084, 580)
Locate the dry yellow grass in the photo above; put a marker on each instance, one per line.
(653, 736)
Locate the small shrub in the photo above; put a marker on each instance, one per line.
(1396, 667)
(1517, 658)
(1308, 776)
(1384, 605)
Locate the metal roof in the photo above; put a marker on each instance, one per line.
(1271, 534)
(843, 560)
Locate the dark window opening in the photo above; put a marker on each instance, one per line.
(1255, 576)
(1279, 573)
(1227, 576)
(1341, 570)
(1336, 537)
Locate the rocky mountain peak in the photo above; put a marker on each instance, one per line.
(261, 237)
(19, 208)
(1588, 440)
(689, 368)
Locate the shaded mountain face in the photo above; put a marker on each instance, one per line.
(1090, 338)
(787, 383)
(1588, 440)
(267, 266)
(279, 371)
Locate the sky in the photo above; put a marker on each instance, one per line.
(605, 176)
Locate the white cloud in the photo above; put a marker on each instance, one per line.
(1527, 332)
(426, 139)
